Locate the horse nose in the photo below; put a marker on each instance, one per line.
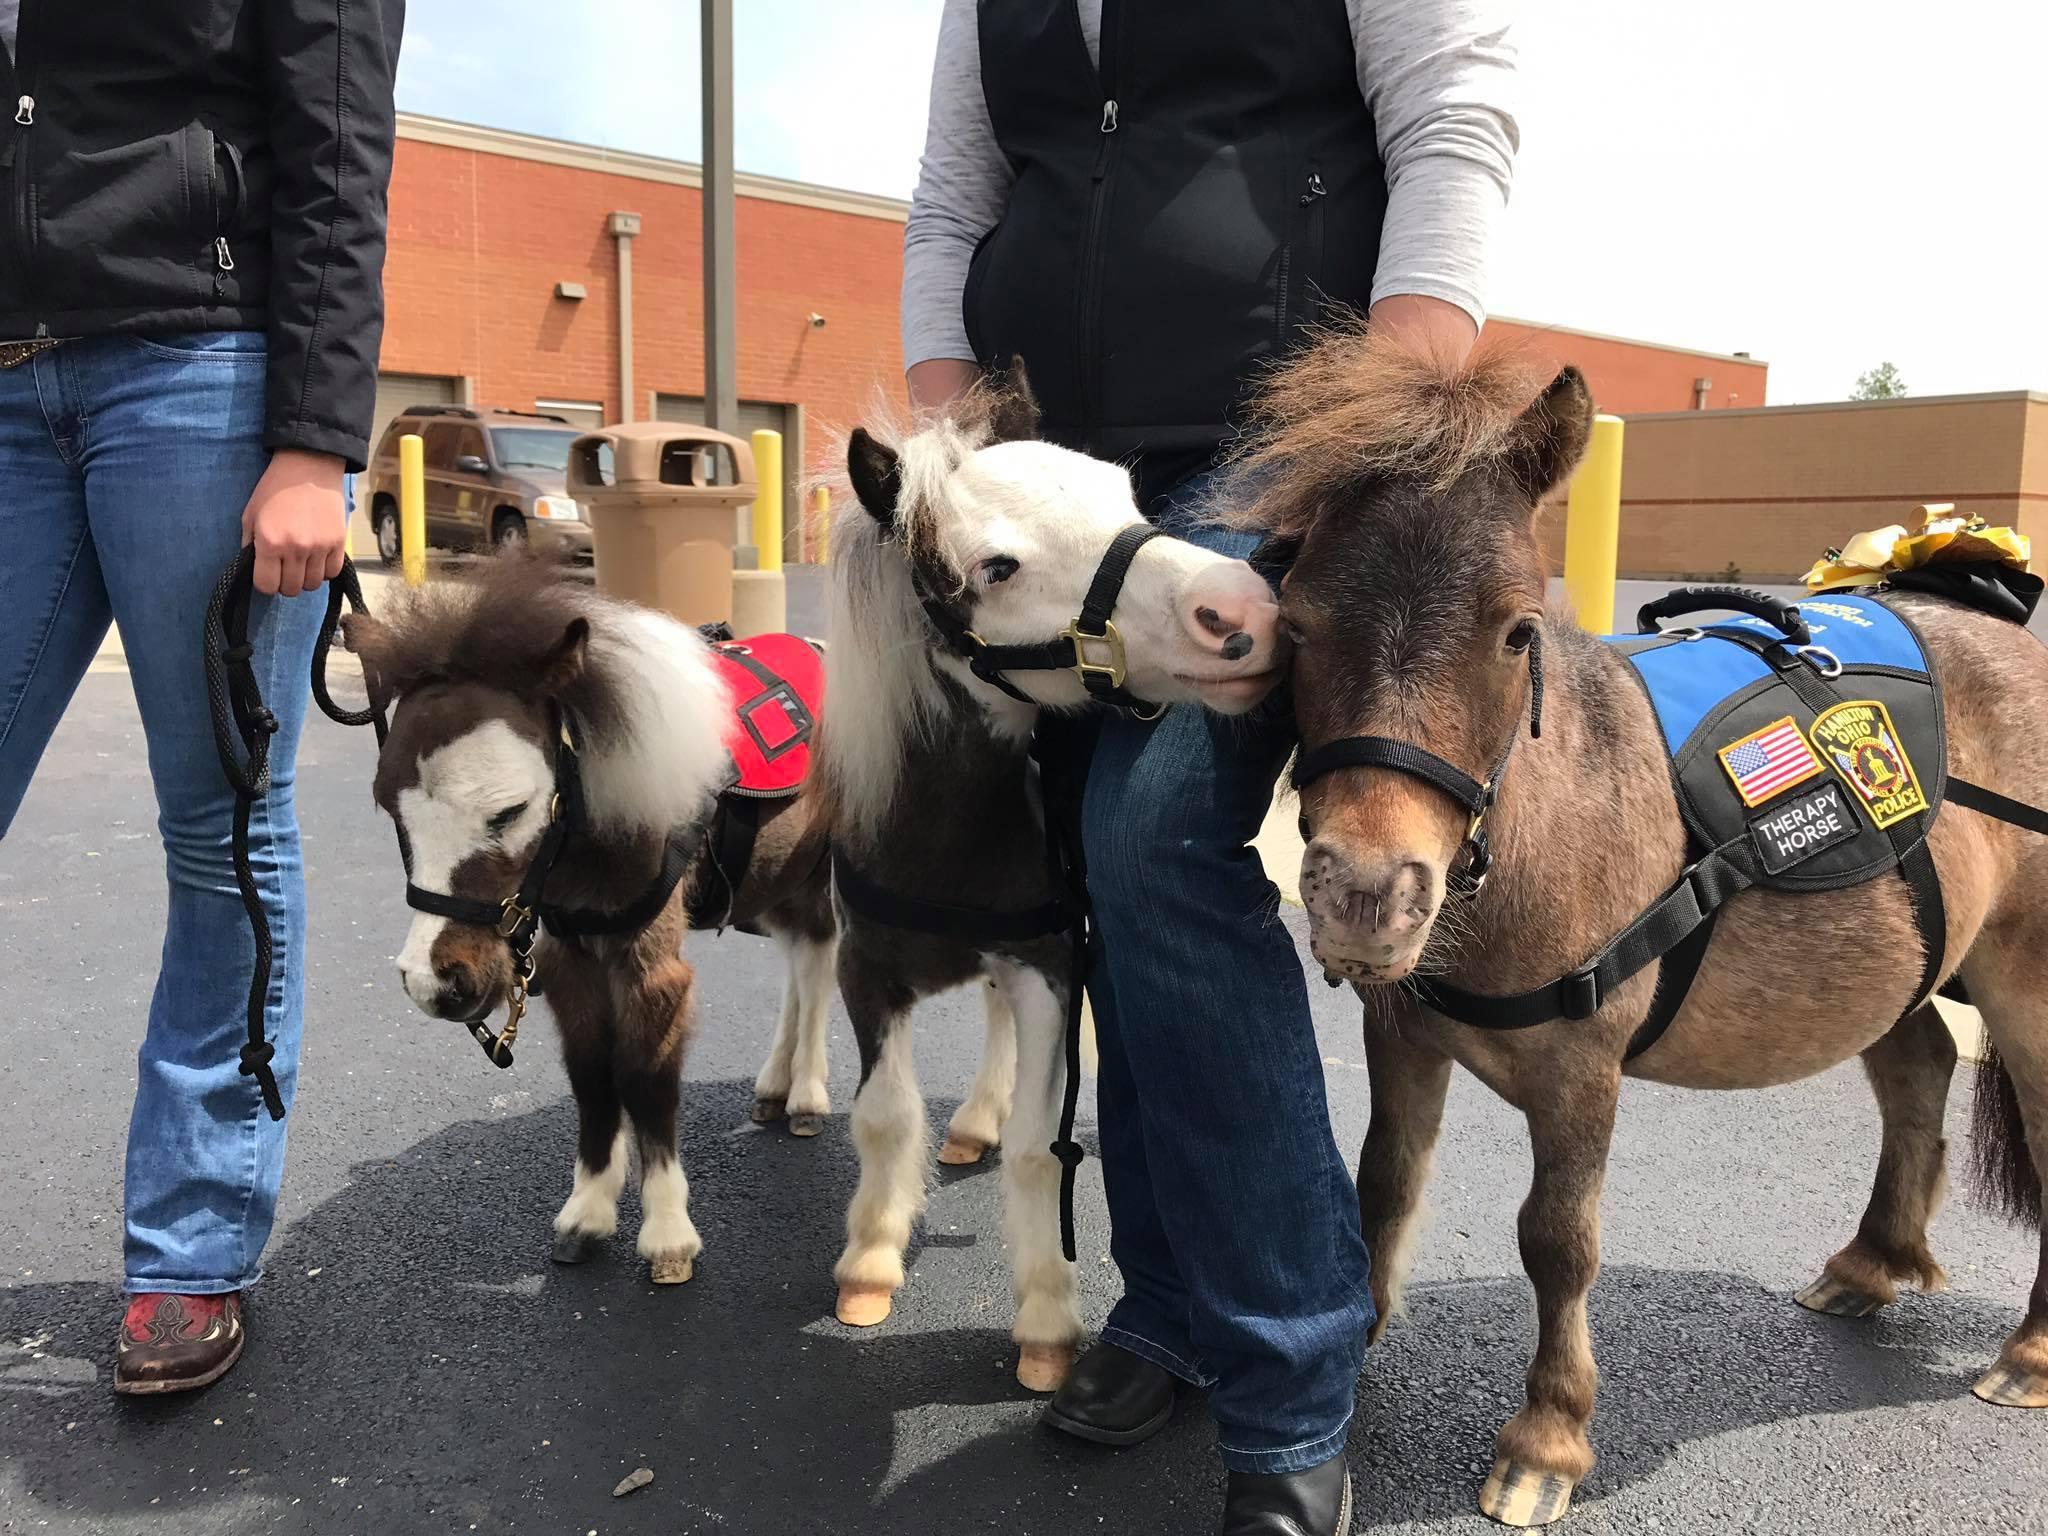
(1386, 896)
(1231, 613)
(459, 991)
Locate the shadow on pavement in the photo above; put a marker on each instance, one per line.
(419, 1366)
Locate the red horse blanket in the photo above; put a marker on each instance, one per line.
(777, 687)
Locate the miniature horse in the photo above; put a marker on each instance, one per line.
(969, 533)
(1414, 602)
(493, 681)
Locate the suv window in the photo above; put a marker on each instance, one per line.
(470, 440)
(439, 448)
(532, 447)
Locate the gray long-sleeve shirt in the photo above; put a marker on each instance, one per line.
(1437, 76)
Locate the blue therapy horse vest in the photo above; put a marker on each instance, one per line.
(1826, 754)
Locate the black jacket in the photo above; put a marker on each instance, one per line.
(1181, 211)
(188, 165)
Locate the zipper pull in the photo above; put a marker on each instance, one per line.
(1108, 116)
(1315, 188)
(25, 111)
(222, 256)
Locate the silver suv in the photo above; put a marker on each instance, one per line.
(492, 478)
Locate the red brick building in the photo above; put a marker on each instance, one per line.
(503, 289)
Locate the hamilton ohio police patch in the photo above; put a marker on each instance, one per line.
(1860, 741)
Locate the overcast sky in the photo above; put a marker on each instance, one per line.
(1826, 184)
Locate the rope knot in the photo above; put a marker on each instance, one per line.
(238, 654)
(256, 1057)
(1069, 1154)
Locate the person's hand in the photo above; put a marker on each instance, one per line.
(297, 518)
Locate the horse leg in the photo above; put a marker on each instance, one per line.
(977, 1124)
(812, 965)
(1909, 1070)
(2009, 1136)
(649, 1073)
(889, 1134)
(1409, 1082)
(1048, 1322)
(591, 1213)
(771, 1083)
(1542, 1453)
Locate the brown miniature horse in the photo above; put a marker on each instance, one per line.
(478, 671)
(1417, 590)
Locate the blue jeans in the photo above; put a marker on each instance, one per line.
(1233, 1218)
(124, 467)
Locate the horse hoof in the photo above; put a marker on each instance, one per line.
(2009, 1386)
(1829, 1295)
(806, 1125)
(574, 1247)
(1519, 1495)
(671, 1268)
(1042, 1367)
(767, 1111)
(863, 1306)
(960, 1151)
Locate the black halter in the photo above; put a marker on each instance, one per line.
(518, 918)
(1475, 861)
(1090, 647)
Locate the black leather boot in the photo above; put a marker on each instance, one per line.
(1316, 1502)
(1112, 1397)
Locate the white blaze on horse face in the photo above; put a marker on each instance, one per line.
(1195, 625)
(448, 816)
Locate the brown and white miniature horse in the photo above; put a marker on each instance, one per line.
(1417, 588)
(476, 669)
(934, 795)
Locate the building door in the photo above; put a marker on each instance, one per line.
(756, 416)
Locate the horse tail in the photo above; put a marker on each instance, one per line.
(2002, 1171)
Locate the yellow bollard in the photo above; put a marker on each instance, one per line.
(768, 499)
(412, 509)
(821, 520)
(1592, 528)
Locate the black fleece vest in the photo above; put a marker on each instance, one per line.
(1180, 213)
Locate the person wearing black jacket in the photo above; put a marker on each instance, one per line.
(192, 216)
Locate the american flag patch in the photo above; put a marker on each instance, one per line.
(1770, 760)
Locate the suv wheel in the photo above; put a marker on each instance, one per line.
(509, 531)
(390, 548)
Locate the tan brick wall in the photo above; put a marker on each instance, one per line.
(1768, 491)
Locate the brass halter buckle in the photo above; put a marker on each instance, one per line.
(1084, 668)
(515, 918)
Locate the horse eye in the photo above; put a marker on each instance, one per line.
(507, 816)
(997, 569)
(1522, 636)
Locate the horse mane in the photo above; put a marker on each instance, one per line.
(647, 701)
(881, 676)
(1357, 406)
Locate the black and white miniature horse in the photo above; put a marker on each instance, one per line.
(933, 796)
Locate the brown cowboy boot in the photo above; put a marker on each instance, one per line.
(172, 1343)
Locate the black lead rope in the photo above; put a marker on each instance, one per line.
(242, 728)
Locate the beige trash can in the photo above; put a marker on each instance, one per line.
(663, 500)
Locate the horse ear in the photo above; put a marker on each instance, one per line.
(363, 636)
(877, 475)
(1015, 417)
(1550, 436)
(564, 661)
